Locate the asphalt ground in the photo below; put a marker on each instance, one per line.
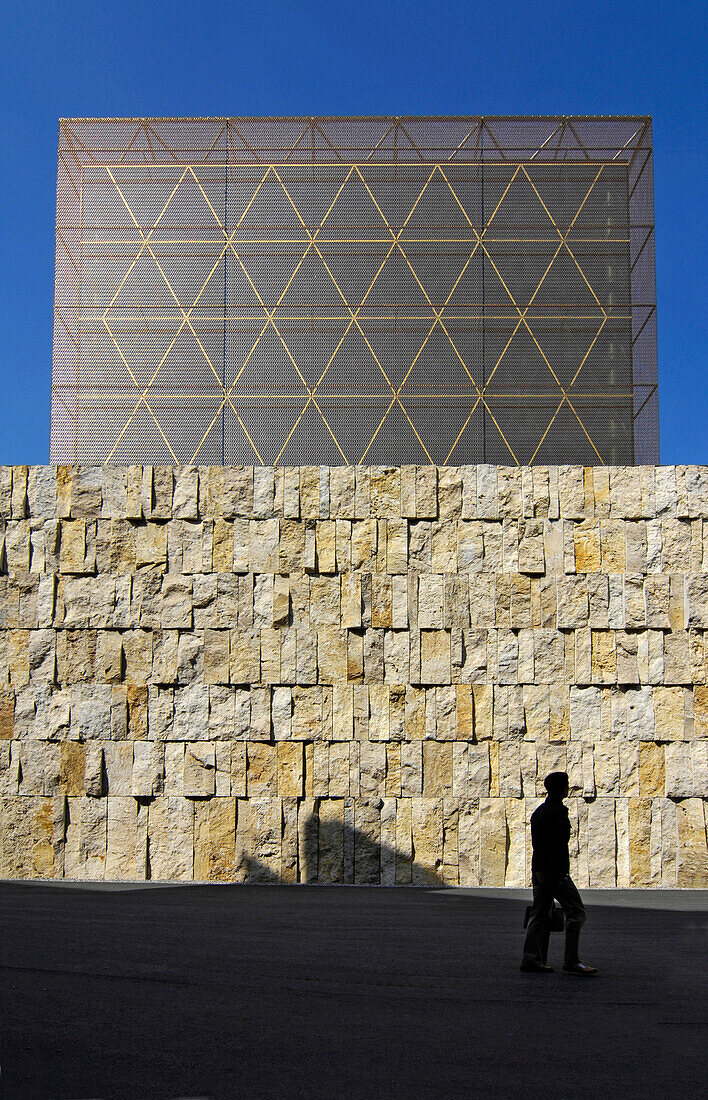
(296, 991)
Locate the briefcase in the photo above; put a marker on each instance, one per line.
(557, 919)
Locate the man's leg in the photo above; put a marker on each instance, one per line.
(538, 928)
(571, 903)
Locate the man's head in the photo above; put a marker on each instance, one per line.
(557, 785)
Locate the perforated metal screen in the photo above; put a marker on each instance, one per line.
(355, 290)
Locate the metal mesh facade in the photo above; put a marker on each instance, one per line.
(355, 290)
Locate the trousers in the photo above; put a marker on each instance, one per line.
(546, 888)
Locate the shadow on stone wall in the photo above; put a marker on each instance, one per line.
(333, 852)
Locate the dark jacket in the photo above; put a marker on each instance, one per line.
(550, 833)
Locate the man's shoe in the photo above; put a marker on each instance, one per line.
(581, 970)
(536, 968)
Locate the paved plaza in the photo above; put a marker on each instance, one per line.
(322, 992)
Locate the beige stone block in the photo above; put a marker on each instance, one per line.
(516, 872)
(121, 840)
(26, 837)
(9, 768)
(215, 840)
(651, 770)
(639, 842)
(185, 497)
(289, 756)
(372, 769)
(223, 545)
(244, 657)
(341, 492)
(437, 769)
(445, 726)
(339, 769)
(627, 658)
(677, 658)
(483, 711)
(258, 840)
(86, 838)
(587, 547)
(669, 713)
(601, 842)
(692, 854)
(443, 558)
(364, 543)
(435, 656)
(381, 603)
(332, 655)
(604, 661)
(216, 656)
(171, 839)
(493, 841)
(262, 775)
(634, 602)
(548, 656)
(585, 713)
(572, 599)
(118, 764)
(411, 768)
(697, 600)
(200, 770)
(74, 551)
(571, 491)
(331, 841)
(238, 765)
(173, 784)
(306, 656)
(607, 768)
(351, 601)
(427, 834)
(385, 490)
(148, 769)
(396, 656)
(324, 601)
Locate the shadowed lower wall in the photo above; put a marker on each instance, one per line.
(352, 674)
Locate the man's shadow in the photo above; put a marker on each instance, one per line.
(333, 852)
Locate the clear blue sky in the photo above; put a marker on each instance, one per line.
(227, 57)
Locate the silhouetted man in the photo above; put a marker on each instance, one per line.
(550, 833)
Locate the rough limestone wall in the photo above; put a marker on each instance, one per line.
(356, 675)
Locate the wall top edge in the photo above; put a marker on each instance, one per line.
(304, 466)
(288, 118)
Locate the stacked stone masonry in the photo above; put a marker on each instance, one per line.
(352, 674)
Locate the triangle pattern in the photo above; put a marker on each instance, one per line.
(311, 443)
(146, 203)
(143, 348)
(564, 285)
(143, 284)
(142, 441)
(269, 369)
(355, 206)
(200, 280)
(438, 368)
(188, 208)
(447, 280)
(521, 367)
(438, 429)
(270, 210)
(312, 284)
(396, 435)
(354, 279)
(511, 203)
(312, 346)
(469, 448)
(396, 284)
(354, 369)
(436, 211)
